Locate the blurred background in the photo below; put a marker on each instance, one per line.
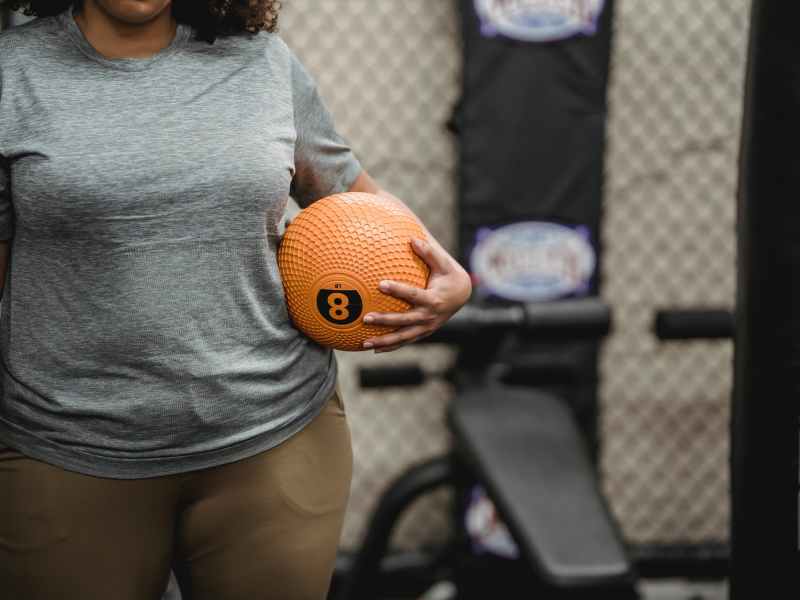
(668, 233)
(391, 72)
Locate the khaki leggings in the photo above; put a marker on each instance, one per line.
(264, 528)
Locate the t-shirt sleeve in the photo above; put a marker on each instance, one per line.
(324, 162)
(6, 210)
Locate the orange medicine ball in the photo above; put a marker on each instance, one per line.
(332, 257)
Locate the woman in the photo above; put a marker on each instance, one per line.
(158, 408)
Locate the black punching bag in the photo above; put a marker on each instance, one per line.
(531, 123)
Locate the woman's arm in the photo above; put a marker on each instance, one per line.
(449, 286)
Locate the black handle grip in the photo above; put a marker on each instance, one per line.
(399, 375)
(565, 320)
(694, 324)
(588, 318)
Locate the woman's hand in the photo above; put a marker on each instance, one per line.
(449, 288)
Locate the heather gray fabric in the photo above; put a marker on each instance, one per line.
(144, 330)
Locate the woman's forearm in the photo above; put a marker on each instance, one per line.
(366, 184)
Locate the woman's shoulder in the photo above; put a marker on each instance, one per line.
(29, 30)
(265, 46)
(28, 37)
(274, 45)
(263, 40)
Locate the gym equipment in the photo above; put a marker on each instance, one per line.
(524, 447)
(685, 324)
(765, 553)
(530, 125)
(333, 255)
(694, 324)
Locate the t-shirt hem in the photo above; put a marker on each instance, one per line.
(85, 463)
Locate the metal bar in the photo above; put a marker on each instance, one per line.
(694, 324)
(363, 581)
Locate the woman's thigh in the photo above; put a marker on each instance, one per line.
(71, 536)
(268, 527)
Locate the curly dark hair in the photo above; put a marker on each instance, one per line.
(211, 18)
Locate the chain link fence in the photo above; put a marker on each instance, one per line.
(676, 94)
(390, 72)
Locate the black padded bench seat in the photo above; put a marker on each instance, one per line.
(531, 456)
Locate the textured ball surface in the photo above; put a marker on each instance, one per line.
(332, 257)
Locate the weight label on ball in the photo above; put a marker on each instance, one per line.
(339, 306)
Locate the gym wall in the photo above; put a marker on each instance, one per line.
(676, 100)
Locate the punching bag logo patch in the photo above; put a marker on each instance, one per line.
(532, 261)
(538, 20)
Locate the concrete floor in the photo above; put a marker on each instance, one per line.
(676, 589)
(651, 590)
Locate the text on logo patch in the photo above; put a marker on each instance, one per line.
(538, 20)
(533, 261)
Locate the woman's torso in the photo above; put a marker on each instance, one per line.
(144, 329)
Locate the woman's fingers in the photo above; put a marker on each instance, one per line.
(412, 317)
(429, 307)
(411, 294)
(398, 346)
(400, 337)
(434, 257)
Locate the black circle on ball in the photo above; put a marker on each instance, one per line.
(339, 306)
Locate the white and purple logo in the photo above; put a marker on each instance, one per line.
(539, 20)
(533, 261)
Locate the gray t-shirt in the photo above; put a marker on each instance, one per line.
(144, 329)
